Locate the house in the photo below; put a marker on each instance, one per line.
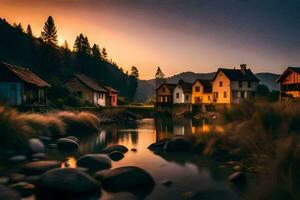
(290, 82)
(202, 91)
(182, 93)
(233, 85)
(164, 93)
(20, 86)
(112, 96)
(88, 89)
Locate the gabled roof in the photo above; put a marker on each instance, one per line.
(287, 72)
(170, 86)
(26, 75)
(206, 83)
(186, 87)
(109, 88)
(237, 75)
(90, 83)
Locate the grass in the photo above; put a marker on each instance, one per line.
(17, 128)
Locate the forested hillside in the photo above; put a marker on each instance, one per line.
(57, 64)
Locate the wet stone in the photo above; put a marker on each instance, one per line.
(7, 193)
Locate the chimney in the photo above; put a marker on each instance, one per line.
(243, 68)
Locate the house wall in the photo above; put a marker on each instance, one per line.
(163, 94)
(11, 92)
(221, 89)
(204, 97)
(181, 96)
(76, 87)
(236, 90)
(292, 78)
(100, 98)
(114, 99)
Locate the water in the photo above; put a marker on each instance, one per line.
(189, 173)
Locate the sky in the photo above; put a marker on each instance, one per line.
(176, 35)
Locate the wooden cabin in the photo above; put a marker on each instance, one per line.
(182, 93)
(164, 93)
(202, 92)
(21, 87)
(290, 82)
(112, 96)
(231, 86)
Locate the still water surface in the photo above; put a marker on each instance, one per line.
(189, 173)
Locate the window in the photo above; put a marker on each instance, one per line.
(197, 89)
(242, 94)
(221, 84)
(166, 99)
(225, 94)
(240, 84)
(177, 95)
(215, 94)
(249, 84)
(187, 97)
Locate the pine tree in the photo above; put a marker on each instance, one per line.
(86, 48)
(96, 51)
(104, 54)
(134, 72)
(19, 27)
(159, 73)
(49, 33)
(29, 31)
(66, 45)
(78, 43)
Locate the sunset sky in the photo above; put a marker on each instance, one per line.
(177, 35)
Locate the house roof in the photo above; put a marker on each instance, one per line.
(287, 72)
(186, 87)
(237, 75)
(170, 86)
(206, 83)
(90, 83)
(26, 75)
(109, 88)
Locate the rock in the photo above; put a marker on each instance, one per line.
(237, 168)
(124, 179)
(39, 167)
(15, 177)
(32, 179)
(167, 182)
(36, 146)
(178, 144)
(39, 156)
(45, 139)
(134, 150)
(52, 146)
(66, 184)
(237, 177)
(17, 159)
(113, 148)
(4, 180)
(9, 194)
(158, 145)
(75, 139)
(66, 144)
(123, 196)
(94, 162)
(116, 155)
(24, 188)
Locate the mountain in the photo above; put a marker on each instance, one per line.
(146, 88)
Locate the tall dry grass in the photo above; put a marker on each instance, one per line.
(16, 128)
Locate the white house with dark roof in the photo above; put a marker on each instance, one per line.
(233, 85)
(182, 92)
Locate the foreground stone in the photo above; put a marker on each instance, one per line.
(94, 162)
(174, 144)
(39, 167)
(116, 155)
(75, 139)
(9, 194)
(24, 188)
(113, 148)
(124, 179)
(17, 159)
(65, 184)
(36, 146)
(66, 144)
(237, 177)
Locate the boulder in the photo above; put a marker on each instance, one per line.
(24, 188)
(35, 145)
(158, 145)
(178, 144)
(113, 148)
(39, 167)
(167, 182)
(126, 179)
(17, 159)
(4, 180)
(46, 140)
(75, 139)
(52, 146)
(39, 156)
(16, 177)
(94, 162)
(66, 144)
(134, 150)
(9, 194)
(32, 179)
(116, 155)
(237, 177)
(67, 184)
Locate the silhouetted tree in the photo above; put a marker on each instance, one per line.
(19, 27)
(86, 48)
(66, 45)
(49, 33)
(104, 54)
(134, 72)
(96, 51)
(29, 31)
(159, 77)
(82, 45)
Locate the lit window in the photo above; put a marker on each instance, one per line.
(225, 94)
(197, 89)
(221, 84)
